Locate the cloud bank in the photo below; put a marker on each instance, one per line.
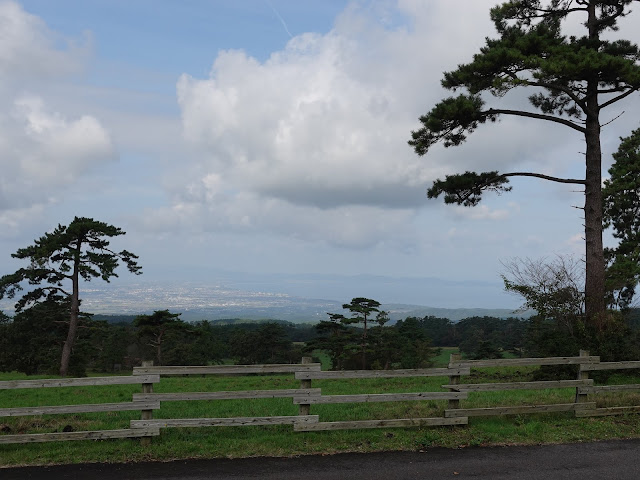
(320, 128)
(43, 151)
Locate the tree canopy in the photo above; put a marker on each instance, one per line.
(572, 80)
(622, 213)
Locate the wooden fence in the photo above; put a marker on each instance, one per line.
(306, 396)
(134, 432)
(226, 395)
(583, 384)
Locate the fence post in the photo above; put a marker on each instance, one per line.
(146, 414)
(454, 379)
(582, 375)
(305, 408)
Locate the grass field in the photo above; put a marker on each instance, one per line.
(281, 440)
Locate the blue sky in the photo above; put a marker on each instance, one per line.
(269, 137)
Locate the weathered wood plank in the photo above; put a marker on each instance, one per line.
(305, 408)
(582, 375)
(522, 409)
(398, 422)
(146, 414)
(174, 397)
(419, 372)
(87, 435)
(609, 388)
(517, 362)
(612, 366)
(454, 379)
(83, 408)
(489, 387)
(381, 397)
(78, 382)
(226, 369)
(604, 412)
(224, 422)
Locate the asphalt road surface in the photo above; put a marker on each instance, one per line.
(587, 461)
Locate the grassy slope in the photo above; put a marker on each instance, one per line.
(281, 440)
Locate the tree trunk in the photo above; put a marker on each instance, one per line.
(73, 318)
(364, 344)
(595, 306)
(159, 347)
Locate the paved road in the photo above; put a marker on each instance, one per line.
(590, 461)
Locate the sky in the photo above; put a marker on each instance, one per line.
(261, 137)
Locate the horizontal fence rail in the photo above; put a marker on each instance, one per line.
(78, 382)
(88, 435)
(380, 397)
(226, 369)
(520, 362)
(611, 366)
(518, 410)
(425, 372)
(540, 385)
(85, 408)
(232, 395)
(226, 422)
(455, 393)
(391, 423)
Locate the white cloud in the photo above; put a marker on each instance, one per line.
(322, 126)
(42, 151)
(207, 208)
(315, 130)
(325, 122)
(481, 212)
(301, 128)
(30, 49)
(12, 221)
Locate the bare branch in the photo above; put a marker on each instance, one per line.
(619, 97)
(545, 177)
(613, 119)
(539, 116)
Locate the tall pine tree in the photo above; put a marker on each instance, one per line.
(58, 261)
(573, 79)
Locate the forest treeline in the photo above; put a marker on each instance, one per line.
(31, 341)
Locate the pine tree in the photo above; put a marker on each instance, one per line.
(622, 213)
(59, 260)
(573, 79)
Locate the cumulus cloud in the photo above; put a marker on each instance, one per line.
(318, 128)
(208, 208)
(322, 126)
(301, 128)
(42, 150)
(30, 49)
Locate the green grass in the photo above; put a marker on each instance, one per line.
(442, 360)
(281, 440)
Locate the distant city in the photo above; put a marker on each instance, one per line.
(198, 301)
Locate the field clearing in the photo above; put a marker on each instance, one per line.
(231, 442)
